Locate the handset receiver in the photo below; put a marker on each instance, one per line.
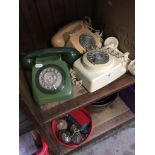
(59, 40)
(68, 54)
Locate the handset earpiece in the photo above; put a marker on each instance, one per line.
(112, 42)
(58, 40)
(68, 54)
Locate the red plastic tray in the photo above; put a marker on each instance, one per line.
(44, 150)
(54, 131)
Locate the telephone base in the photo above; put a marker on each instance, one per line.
(65, 93)
(96, 79)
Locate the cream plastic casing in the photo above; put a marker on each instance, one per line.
(131, 67)
(97, 76)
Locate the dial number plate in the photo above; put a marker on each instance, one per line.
(50, 78)
(87, 41)
(98, 57)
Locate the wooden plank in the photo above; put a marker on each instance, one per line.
(114, 110)
(32, 18)
(46, 18)
(39, 20)
(25, 37)
(88, 98)
(25, 125)
(85, 8)
(104, 121)
(58, 11)
(70, 10)
(120, 24)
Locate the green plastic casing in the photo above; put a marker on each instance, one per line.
(65, 93)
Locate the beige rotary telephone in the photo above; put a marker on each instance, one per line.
(99, 67)
(78, 35)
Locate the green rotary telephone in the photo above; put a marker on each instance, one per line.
(50, 74)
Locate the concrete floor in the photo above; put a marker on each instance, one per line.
(118, 142)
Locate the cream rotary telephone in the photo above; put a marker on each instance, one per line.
(77, 34)
(99, 67)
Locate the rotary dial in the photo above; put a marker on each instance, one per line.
(87, 41)
(50, 78)
(97, 57)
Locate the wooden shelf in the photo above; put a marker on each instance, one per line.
(103, 121)
(25, 125)
(24, 128)
(55, 110)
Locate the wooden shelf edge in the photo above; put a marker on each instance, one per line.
(103, 129)
(26, 129)
(86, 99)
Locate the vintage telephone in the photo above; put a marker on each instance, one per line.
(99, 67)
(78, 35)
(50, 74)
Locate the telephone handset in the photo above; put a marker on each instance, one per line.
(67, 54)
(60, 38)
(78, 35)
(50, 74)
(99, 67)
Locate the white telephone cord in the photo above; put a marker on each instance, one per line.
(88, 22)
(74, 79)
